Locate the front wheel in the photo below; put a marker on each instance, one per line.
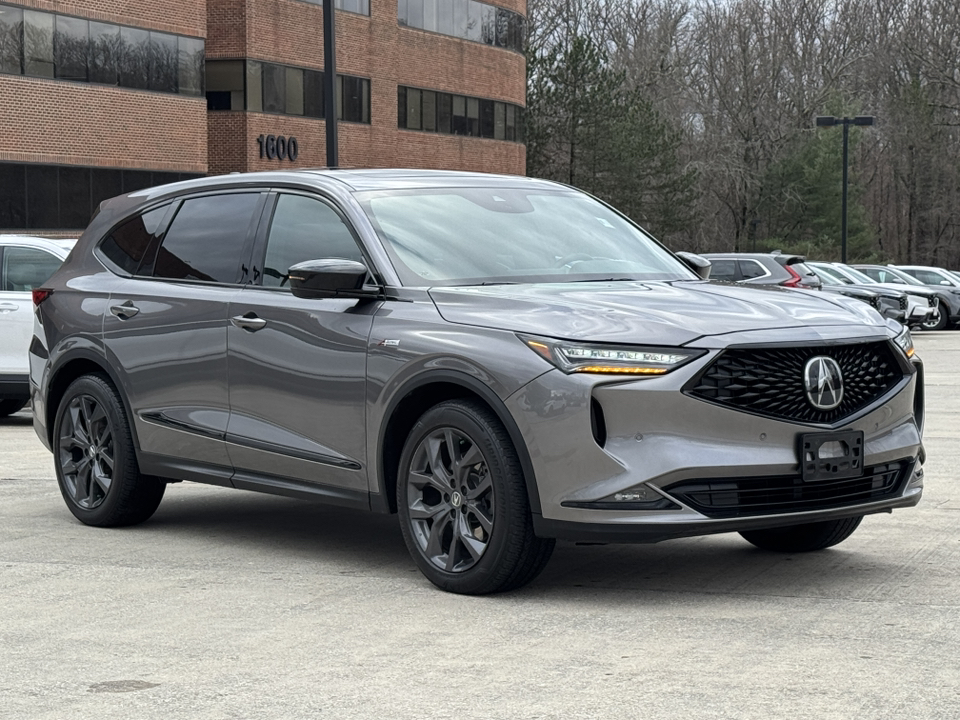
(936, 321)
(463, 504)
(803, 538)
(96, 465)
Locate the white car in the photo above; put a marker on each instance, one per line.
(25, 264)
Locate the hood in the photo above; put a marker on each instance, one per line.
(653, 313)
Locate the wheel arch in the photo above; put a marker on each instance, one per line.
(69, 368)
(416, 397)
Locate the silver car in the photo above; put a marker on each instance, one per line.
(501, 361)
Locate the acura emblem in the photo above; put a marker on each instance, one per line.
(824, 382)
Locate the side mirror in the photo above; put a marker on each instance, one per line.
(700, 265)
(332, 277)
(946, 282)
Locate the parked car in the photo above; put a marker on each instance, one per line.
(25, 263)
(503, 361)
(948, 305)
(774, 268)
(906, 308)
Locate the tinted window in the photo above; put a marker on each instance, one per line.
(751, 269)
(135, 58)
(313, 93)
(190, 72)
(27, 268)
(206, 239)
(11, 43)
(274, 88)
(104, 53)
(304, 229)
(75, 210)
(71, 42)
(723, 270)
(225, 85)
(165, 62)
(126, 246)
(43, 197)
(13, 199)
(38, 43)
(294, 91)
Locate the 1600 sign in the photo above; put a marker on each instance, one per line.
(278, 147)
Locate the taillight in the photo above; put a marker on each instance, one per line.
(795, 278)
(39, 295)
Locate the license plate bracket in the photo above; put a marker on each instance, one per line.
(831, 456)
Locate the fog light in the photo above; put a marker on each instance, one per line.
(641, 497)
(639, 494)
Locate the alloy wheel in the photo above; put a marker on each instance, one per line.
(86, 451)
(933, 321)
(450, 499)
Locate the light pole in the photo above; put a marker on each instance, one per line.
(830, 121)
(330, 83)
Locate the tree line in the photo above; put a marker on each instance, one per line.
(697, 119)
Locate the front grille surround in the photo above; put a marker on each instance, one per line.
(768, 380)
(752, 496)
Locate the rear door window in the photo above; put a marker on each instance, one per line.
(24, 269)
(305, 228)
(752, 269)
(723, 270)
(207, 238)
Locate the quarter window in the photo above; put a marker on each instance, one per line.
(27, 268)
(304, 228)
(126, 246)
(723, 270)
(206, 239)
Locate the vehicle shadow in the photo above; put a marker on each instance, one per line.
(359, 543)
(21, 419)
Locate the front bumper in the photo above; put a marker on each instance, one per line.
(658, 437)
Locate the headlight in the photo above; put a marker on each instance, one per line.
(573, 357)
(905, 342)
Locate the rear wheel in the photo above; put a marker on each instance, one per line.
(9, 407)
(463, 504)
(95, 460)
(803, 538)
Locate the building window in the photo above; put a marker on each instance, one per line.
(42, 44)
(64, 197)
(265, 87)
(360, 7)
(457, 114)
(466, 19)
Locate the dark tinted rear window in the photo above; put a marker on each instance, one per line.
(206, 239)
(127, 244)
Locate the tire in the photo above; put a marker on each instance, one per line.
(9, 407)
(803, 538)
(936, 322)
(90, 432)
(463, 503)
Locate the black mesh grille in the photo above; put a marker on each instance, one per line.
(726, 498)
(769, 381)
(903, 302)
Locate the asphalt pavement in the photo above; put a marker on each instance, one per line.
(237, 605)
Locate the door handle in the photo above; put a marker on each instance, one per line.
(8, 307)
(248, 321)
(125, 311)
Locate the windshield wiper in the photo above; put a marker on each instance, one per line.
(610, 279)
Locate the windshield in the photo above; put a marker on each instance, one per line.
(472, 236)
(830, 276)
(855, 274)
(827, 277)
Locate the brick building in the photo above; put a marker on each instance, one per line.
(99, 97)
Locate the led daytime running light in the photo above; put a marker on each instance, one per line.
(635, 356)
(573, 357)
(614, 370)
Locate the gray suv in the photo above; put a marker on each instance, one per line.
(502, 361)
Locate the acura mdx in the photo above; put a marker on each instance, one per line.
(501, 361)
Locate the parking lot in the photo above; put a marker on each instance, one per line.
(236, 605)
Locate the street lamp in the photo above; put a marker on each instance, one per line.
(330, 83)
(830, 121)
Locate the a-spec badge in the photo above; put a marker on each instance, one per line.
(823, 382)
(389, 343)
